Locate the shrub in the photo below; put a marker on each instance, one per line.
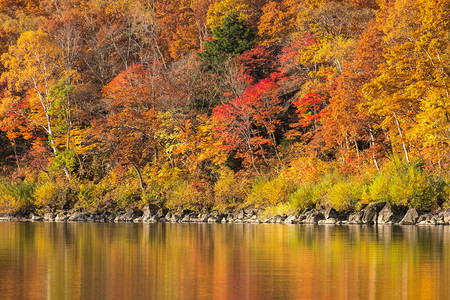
(48, 195)
(17, 197)
(126, 195)
(407, 184)
(195, 195)
(228, 189)
(271, 211)
(344, 195)
(270, 191)
(87, 195)
(303, 198)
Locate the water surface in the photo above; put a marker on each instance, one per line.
(222, 261)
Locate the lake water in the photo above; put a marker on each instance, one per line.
(222, 261)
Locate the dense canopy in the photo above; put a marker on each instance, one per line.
(222, 103)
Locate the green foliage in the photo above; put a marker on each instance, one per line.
(271, 211)
(64, 160)
(126, 196)
(103, 107)
(232, 38)
(195, 195)
(88, 195)
(345, 195)
(48, 195)
(16, 197)
(313, 193)
(407, 184)
(303, 198)
(265, 191)
(229, 189)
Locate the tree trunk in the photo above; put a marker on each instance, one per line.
(401, 137)
(372, 143)
(141, 182)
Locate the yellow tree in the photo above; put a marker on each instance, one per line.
(218, 10)
(278, 19)
(37, 91)
(411, 93)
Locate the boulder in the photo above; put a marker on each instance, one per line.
(240, 214)
(330, 213)
(147, 213)
(278, 219)
(292, 219)
(108, 217)
(128, 216)
(329, 221)
(446, 216)
(410, 217)
(391, 214)
(49, 217)
(204, 217)
(250, 211)
(356, 217)
(313, 216)
(79, 217)
(426, 219)
(35, 218)
(62, 217)
(5, 218)
(370, 213)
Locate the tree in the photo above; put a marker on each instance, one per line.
(218, 11)
(247, 124)
(232, 38)
(277, 21)
(411, 90)
(128, 131)
(36, 92)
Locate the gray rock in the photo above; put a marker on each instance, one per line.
(62, 217)
(292, 219)
(78, 217)
(5, 218)
(239, 214)
(35, 218)
(410, 217)
(425, 219)
(278, 219)
(301, 218)
(146, 213)
(355, 218)
(329, 212)
(390, 214)
(329, 221)
(49, 217)
(370, 213)
(186, 219)
(204, 217)
(254, 220)
(446, 215)
(99, 218)
(108, 217)
(128, 216)
(313, 217)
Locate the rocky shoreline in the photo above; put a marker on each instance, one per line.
(374, 213)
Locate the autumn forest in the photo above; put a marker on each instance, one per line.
(219, 104)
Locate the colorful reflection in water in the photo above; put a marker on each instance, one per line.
(222, 261)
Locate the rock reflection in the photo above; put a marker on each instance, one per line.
(215, 261)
